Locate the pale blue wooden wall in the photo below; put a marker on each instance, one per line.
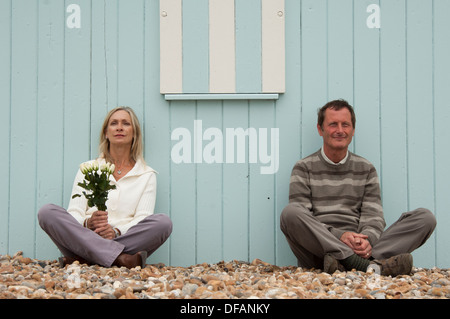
(57, 83)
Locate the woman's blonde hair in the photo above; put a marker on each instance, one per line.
(137, 146)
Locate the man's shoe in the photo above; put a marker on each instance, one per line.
(131, 261)
(331, 264)
(394, 266)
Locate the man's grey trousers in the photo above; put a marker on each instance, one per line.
(310, 240)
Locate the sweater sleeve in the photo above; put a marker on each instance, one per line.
(300, 192)
(299, 188)
(372, 221)
(78, 206)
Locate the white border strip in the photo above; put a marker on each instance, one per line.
(222, 52)
(180, 97)
(171, 46)
(273, 46)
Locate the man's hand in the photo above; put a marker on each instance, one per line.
(99, 224)
(358, 243)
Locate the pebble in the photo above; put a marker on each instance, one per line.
(25, 278)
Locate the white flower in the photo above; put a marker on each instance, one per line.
(87, 167)
(83, 168)
(94, 166)
(108, 168)
(94, 182)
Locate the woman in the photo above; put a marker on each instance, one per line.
(128, 231)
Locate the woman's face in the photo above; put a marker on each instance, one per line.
(120, 129)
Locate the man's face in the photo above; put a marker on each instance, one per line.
(337, 130)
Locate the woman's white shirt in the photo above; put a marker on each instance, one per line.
(132, 200)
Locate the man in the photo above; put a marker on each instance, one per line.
(334, 219)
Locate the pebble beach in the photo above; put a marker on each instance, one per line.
(25, 278)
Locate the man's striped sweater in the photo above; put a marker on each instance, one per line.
(344, 197)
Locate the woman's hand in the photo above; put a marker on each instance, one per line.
(106, 232)
(98, 219)
(99, 224)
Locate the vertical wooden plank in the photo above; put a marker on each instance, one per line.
(209, 183)
(288, 119)
(111, 38)
(442, 118)
(195, 46)
(248, 46)
(23, 127)
(273, 46)
(99, 73)
(131, 55)
(340, 50)
(5, 130)
(393, 175)
(157, 123)
(183, 201)
(235, 189)
(77, 94)
(261, 197)
(366, 73)
(50, 130)
(171, 46)
(222, 60)
(314, 71)
(420, 114)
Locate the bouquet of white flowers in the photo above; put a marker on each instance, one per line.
(97, 183)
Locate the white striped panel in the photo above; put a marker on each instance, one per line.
(171, 51)
(273, 46)
(222, 59)
(222, 47)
